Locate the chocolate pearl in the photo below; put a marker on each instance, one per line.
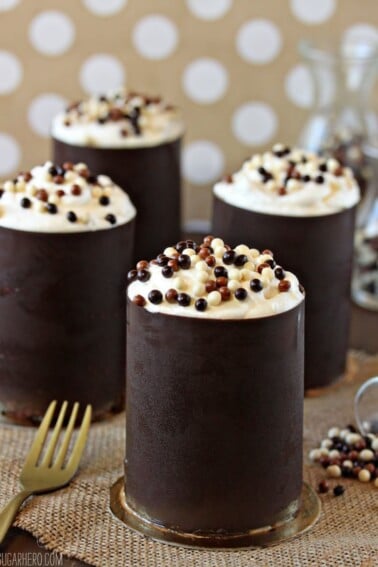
(76, 190)
(210, 286)
(204, 252)
(92, 179)
(167, 272)
(162, 260)
(338, 490)
(27, 176)
(221, 281)
(173, 264)
(240, 260)
(139, 300)
(124, 133)
(143, 275)
(227, 178)
(171, 296)
(353, 455)
(319, 179)
(104, 200)
(52, 171)
(356, 471)
(58, 179)
(370, 467)
(111, 218)
(241, 293)
(68, 166)
(184, 261)
(51, 208)
(183, 299)
(210, 261)
(155, 296)
(220, 271)
(360, 445)
(1, 193)
(255, 285)
(338, 171)
(60, 193)
(271, 263)
(306, 178)
(267, 251)
(225, 293)
(281, 191)
(132, 276)
(191, 244)
(25, 203)
(284, 285)
(323, 167)
(301, 289)
(180, 246)
(71, 216)
(142, 265)
(201, 304)
(323, 487)
(279, 273)
(261, 267)
(208, 240)
(229, 257)
(346, 472)
(42, 195)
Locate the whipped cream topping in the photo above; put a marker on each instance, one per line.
(118, 120)
(290, 182)
(68, 198)
(214, 281)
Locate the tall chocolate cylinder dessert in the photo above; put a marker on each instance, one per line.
(214, 390)
(135, 140)
(303, 207)
(66, 239)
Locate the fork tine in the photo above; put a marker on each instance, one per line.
(67, 437)
(81, 439)
(40, 437)
(47, 459)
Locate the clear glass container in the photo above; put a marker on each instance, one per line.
(366, 407)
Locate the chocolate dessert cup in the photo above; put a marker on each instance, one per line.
(151, 177)
(214, 420)
(319, 249)
(62, 330)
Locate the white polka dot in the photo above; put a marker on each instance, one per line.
(6, 5)
(101, 73)
(299, 86)
(361, 32)
(10, 72)
(155, 37)
(205, 80)
(258, 41)
(203, 162)
(254, 123)
(42, 110)
(51, 33)
(200, 226)
(210, 9)
(10, 154)
(105, 8)
(313, 11)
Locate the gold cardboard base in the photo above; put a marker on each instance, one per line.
(306, 516)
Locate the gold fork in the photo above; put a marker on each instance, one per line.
(50, 473)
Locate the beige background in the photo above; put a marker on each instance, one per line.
(24, 116)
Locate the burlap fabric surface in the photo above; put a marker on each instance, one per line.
(77, 522)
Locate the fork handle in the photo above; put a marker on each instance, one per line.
(8, 514)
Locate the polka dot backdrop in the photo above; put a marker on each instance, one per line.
(232, 66)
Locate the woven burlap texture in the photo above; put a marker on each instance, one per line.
(77, 522)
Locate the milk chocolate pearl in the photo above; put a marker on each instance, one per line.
(171, 296)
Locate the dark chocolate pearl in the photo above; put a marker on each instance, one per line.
(111, 218)
(255, 285)
(279, 273)
(338, 490)
(220, 272)
(346, 472)
(1, 193)
(229, 257)
(201, 304)
(180, 246)
(143, 275)
(52, 170)
(184, 261)
(240, 260)
(167, 272)
(104, 200)
(271, 262)
(319, 179)
(155, 296)
(171, 295)
(183, 299)
(162, 260)
(52, 208)
(241, 293)
(323, 487)
(306, 178)
(25, 203)
(351, 428)
(323, 167)
(139, 300)
(92, 179)
(132, 276)
(284, 285)
(191, 244)
(71, 217)
(58, 179)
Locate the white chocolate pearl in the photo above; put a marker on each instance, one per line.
(334, 454)
(20, 185)
(366, 455)
(170, 251)
(292, 185)
(364, 475)
(234, 274)
(79, 166)
(352, 438)
(332, 164)
(327, 443)
(9, 186)
(242, 249)
(217, 242)
(270, 292)
(376, 483)
(189, 252)
(41, 207)
(348, 464)
(267, 273)
(84, 218)
(179, 283)
(254, 252)
(374, 444)
(69, 176)
(199, 290)
(344, 433)
(324, 452)
(219, 251)
(31, 190)
(107, 191)
(256, 161)
(270, 185)
(214, 298)
(233, 285)
(202, 266)
(54, 199)
(194, 259)
(202, 276)
(333, 432)
(314, 455)
(334, 471)
(246, 274)
(249, 266)
(96, 192)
